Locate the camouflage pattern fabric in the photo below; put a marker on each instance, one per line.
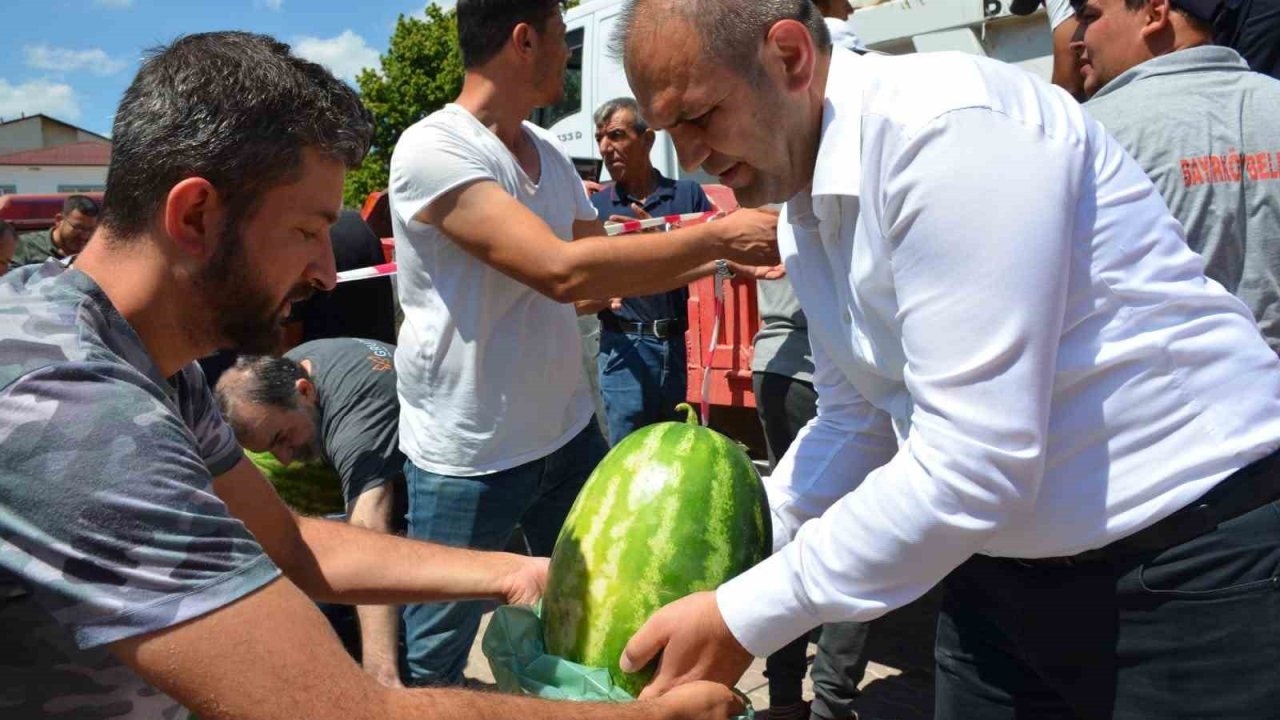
(108, 519)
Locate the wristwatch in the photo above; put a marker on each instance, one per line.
(723, 270)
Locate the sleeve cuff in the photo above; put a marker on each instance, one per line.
(761, 609)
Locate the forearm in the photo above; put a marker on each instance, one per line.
(607, 267)
(379, 639)
(333, 564)
(590, 307)
(464, 705)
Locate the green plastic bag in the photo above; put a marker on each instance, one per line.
(521, 665)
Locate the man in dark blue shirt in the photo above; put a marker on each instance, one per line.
(642, 353)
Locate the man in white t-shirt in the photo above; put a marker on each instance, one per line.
(496, 418)
(835, 13)
(1063, 25)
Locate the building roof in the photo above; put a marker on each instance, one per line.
(42, 116)
(89, 152)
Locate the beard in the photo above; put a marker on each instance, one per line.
(245, 316)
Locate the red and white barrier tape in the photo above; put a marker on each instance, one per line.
(633, 226)
(705, 408)
(622, 228)
(364, 273)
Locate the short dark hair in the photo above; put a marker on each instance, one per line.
(730, 30)
(234, 108)
(605, 113)
(81, 204)
(259, 380)
(1133, 6)
(484, 26)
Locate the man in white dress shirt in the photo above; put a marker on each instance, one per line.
(1088, 426)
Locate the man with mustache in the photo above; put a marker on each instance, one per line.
(641, 363)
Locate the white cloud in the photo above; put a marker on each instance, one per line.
(274, 4)
(345, 55)
(114, 3)
(95, 60)
(38, 96)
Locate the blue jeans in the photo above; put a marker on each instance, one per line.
(642, 379)
(482, 512)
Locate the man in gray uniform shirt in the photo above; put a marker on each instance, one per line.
(1203, 126)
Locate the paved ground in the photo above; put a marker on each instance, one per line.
(899, 680)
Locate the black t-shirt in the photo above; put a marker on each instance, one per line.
(355, 383)
(363, 308)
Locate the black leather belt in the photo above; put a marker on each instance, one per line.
(661, 329)
(1248, 488)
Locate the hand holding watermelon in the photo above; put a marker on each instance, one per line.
(525, 582)
(695, 644)
(700, 700)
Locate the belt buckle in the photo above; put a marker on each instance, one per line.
(660, 328)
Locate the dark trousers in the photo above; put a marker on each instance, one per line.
(1192, 631)
(786, 405)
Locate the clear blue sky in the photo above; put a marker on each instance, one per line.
(72, 59)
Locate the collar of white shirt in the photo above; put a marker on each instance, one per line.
(841, 128)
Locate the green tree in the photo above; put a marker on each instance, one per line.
(420, 72)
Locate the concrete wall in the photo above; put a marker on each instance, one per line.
(50, 179)
(55, 134)
(21, 135)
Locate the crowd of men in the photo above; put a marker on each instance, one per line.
(1024, 348)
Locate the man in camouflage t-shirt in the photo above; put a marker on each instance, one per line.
(123, 532)
(146, 564)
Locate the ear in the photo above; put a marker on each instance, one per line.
(789, 50)
(306, 389)
(648, 138)
(58, 218)
(1156, 18)
(524, 40)
(193, 217)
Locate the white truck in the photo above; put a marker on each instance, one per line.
(982, 27)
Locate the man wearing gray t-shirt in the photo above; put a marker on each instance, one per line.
(1205, 129)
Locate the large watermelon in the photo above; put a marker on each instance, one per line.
(310, 488)
(675, 508)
